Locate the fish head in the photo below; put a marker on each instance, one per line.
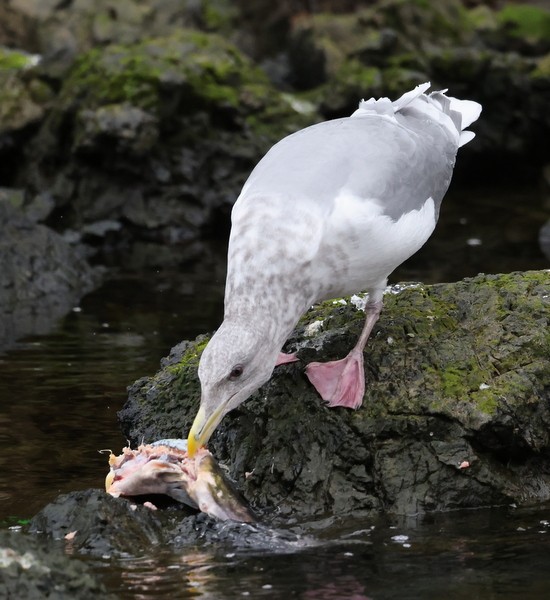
(214, 494)
(234, 364)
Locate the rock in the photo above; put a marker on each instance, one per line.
(33, 568)
(392, 46)
(43, 276)
(60, 31)
(21, 102)
(376, 36)
(162, 136)
(128, 130)
(102, 526)
(456, 412)
(523, 28)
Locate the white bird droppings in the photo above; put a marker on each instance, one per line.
(313, 328)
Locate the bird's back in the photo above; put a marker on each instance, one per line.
(355, 196)
(371, 157)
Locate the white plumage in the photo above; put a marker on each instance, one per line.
(330, 210)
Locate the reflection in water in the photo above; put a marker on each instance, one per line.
(171, 575)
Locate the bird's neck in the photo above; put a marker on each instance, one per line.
(270, 312)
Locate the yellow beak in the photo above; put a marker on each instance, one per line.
(202, 429)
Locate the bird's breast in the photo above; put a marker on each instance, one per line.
(362, 245)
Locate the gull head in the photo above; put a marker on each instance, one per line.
(235, 363)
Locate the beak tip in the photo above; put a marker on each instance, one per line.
(202, 429)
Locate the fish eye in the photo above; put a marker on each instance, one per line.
(236, 372)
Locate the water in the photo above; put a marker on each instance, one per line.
(486, 554)
(59, 394)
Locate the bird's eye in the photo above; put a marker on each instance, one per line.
(236, 372)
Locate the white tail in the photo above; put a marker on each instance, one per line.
(452, 113)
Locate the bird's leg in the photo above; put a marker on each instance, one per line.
(342, 382)
(284, 359)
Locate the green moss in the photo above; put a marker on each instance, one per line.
(542, 70)
(466, 64)
(486, 401)
(526, 21)
(20, 102)
(515, 283)
(351, 82)
(482, 17)
(272, 115)
(452, 381)
(204, 67)
(218, 15)
(190, 358)
(459, 381)
(11, 60)
(354, 74)
(397, 80)
(444, 22)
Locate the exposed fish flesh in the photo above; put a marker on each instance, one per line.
(164, 467)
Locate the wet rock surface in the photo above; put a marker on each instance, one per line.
(101, 526)
(43, 275)
(33, 567)
(455, 414)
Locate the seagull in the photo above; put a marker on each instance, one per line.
(331, 209)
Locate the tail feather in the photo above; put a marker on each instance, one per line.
(450, 112)
(469, 110)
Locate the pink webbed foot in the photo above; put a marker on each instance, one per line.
(342, 382)
(339, 382)
(284, 359)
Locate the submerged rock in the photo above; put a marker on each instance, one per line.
(99, 524)
(456, 411)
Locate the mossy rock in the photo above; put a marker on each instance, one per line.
(202, 67)
(23, 98)
(422, 24)
(456, 412)
(527, 22)
(353, 82)
(520, 28)
(324, 44)
(14, 60)
(22, 102)
(189, 72)
(126, 113)
(542, 69)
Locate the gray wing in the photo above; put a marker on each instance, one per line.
(400, 163)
